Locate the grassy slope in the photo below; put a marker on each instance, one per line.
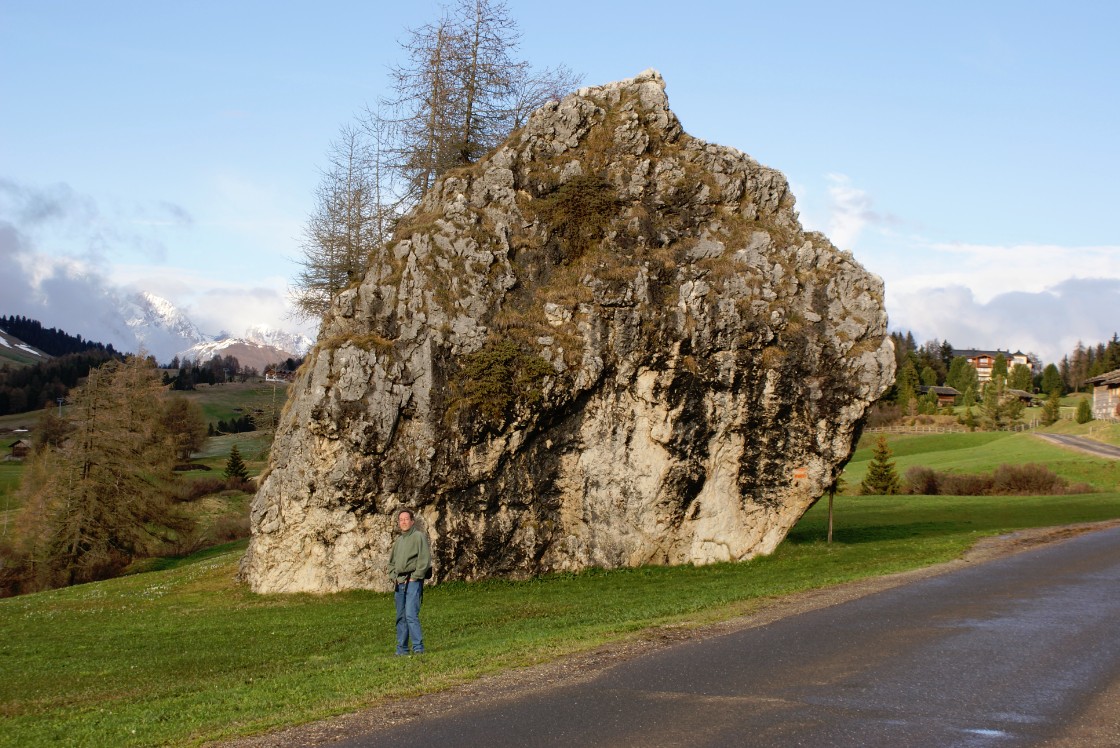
(186, 654)
(983, 452)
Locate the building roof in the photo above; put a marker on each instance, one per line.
(1111, 377)
(940, 390)
(973, 353)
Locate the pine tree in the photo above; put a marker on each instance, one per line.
(1051, 411)
(1051, 379)
(1084, 410)
(999, 408)
(235, 466)
(907, 387)
(882, 478)
(1020, 377)
(962, 375)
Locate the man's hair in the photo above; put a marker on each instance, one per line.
(411, 516)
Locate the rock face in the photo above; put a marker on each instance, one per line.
(607, 343)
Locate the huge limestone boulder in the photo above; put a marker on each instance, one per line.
(608, 343)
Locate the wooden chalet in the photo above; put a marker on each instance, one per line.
(18, 450)
(945, 395)
(1106, 395)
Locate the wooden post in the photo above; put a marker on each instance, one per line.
(831, 493)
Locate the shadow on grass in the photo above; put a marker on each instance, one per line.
(164, 563)
(814, 532)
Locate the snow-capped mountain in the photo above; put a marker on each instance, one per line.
(164, 331)
(158, 325)
(286, 341)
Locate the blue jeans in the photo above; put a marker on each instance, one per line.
(408, 598)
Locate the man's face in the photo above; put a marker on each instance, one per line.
(405, 521)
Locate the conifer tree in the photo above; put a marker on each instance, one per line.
(235, 466)
(1020, 377)
(1051, 379)
(907, 388)
(962, 375)
(1051, 411)
(882, 478)
(999, 408)
(968, 418)
(1084, 410)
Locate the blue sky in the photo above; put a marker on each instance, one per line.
(964, 151)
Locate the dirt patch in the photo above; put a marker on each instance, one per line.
(587, 665)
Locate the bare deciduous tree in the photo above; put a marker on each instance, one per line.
(352, 218)
(459, 92)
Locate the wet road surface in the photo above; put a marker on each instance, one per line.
(1006, 653)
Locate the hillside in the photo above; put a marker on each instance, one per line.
(14, 352)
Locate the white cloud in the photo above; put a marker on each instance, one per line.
(1048, 322)
(55, 266)
(849, 211)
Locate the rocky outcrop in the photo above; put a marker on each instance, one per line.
(608, 343)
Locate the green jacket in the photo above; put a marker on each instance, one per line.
(411, 556)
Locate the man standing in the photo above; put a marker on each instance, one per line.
(410, 563)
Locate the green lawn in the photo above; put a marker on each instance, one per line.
(10, 473)
(224, 402)
(983, 452)
(184, 655)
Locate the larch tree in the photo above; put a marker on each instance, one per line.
(185, 426)
(459, 92)
(99, 499)
(352, 218)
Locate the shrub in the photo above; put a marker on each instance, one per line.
(922, 480)
(954, 484)
(883, 413)
(1084, 411)
(1030, 479)
(196, 489)
(227, 528)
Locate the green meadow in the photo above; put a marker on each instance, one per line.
(184, 654)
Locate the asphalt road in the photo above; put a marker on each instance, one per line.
(1096, 448)
(1006, 653)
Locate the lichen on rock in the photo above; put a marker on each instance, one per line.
(607, 343)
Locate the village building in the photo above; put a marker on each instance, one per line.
(946, 396)
(983, 361)
(1106, 395)
(18, 450)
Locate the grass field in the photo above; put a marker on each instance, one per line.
(983, 452)
(182, 653)
(223, 402)
(186, 654)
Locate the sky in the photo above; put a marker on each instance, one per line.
(966, 152)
